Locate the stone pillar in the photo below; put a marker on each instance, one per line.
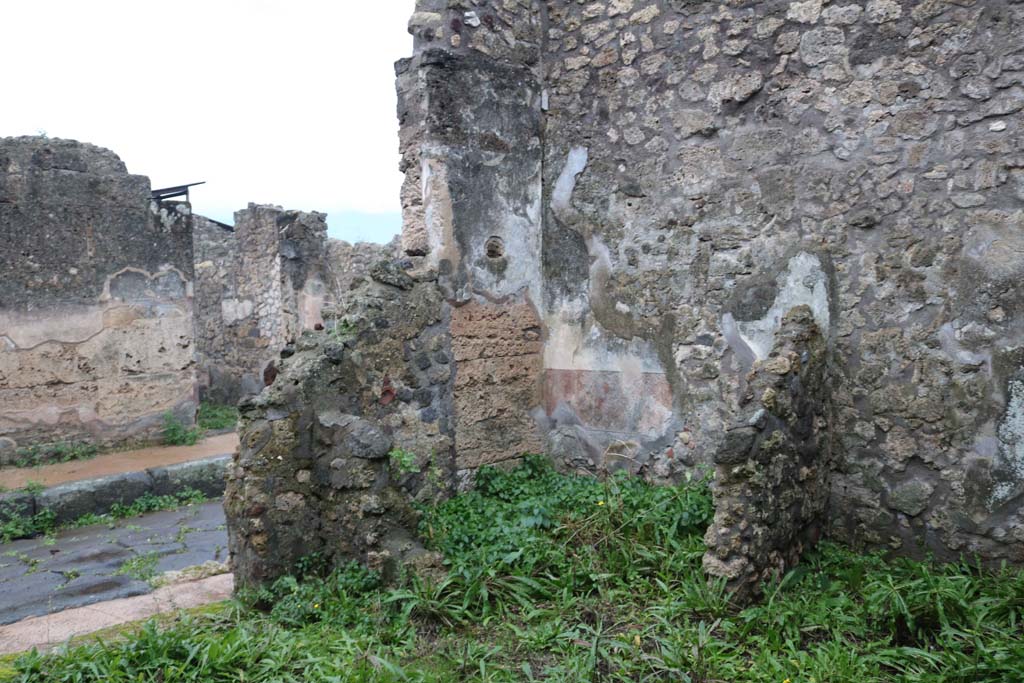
(773, 468)
(316, 471)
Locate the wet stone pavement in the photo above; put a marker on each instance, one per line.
(106, 561)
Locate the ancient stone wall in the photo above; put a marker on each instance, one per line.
(859, 158)
(96, 339)
(225, 344)
(348, 265)
(259, 284)
(315, 471)
(706, 168)
(774, 239)
(773, 468)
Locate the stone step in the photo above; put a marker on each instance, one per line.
(72, 500)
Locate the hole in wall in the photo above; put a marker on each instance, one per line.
(494, 247)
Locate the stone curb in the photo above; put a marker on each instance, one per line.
(97, 496)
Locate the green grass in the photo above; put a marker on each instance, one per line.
(141, 567)
(214, 417)
(211, 417)
(554, 578)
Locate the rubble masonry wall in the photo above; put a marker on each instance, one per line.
(95, 298)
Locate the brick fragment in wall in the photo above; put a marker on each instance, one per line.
(497, 351)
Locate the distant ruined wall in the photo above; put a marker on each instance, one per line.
(225, 343)
(348, 265)
(259, 285)
(96, 338)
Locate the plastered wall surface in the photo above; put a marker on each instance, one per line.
(96, 339)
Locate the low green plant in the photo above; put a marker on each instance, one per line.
(404, 461)
(177, 434)
(44, 454)
(149, 502)
(566, 579)
(18, 526)
(343, 329)
(33, 487)
(215, 417)
(44, 523)
(141, 567)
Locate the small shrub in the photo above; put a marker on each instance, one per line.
(44, 454)
(44, 523)
(18, 526)
(149, 502)
(177, 434)
(34, 487)
(214, 417)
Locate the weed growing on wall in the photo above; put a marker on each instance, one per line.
(404, 461)
(565, 579)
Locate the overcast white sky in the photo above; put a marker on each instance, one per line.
(288, 102)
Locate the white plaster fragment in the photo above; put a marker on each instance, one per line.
(1011, 444)
(804, 282)
(233, 310)
(951, 346)
(561, 196)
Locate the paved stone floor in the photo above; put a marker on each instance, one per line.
(106, 561)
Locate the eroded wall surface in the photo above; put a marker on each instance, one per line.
(259, 284)
(860, 158)
(96, 339)
(225, 342)
(706, 168)
(774, 240)
(315, 472)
